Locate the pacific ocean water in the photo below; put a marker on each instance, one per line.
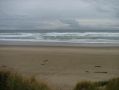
(70, 36)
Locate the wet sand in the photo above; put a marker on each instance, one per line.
(62, 67)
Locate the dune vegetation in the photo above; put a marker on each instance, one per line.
(112, 84)
(13, 81)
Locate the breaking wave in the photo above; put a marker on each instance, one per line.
(73, 37)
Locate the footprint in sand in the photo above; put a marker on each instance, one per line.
(102, 72)
(87, 71)
(97, 66)
(44, 62)
(3, 66)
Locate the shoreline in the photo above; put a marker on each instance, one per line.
(57, 44)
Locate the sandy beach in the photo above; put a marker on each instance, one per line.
(62, 67)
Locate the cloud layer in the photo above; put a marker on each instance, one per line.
(58, 14)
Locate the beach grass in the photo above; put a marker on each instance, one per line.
(13, 81)
(85, 85)
(112, 84)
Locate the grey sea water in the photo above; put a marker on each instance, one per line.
(63, 36)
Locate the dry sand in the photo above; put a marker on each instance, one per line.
(62, 67)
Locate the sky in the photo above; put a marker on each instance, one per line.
(59, 14)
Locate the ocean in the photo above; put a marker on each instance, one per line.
(60, 36)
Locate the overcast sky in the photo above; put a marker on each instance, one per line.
(58, 14)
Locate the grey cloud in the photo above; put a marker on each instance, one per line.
(71, 22)
(29, 14)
